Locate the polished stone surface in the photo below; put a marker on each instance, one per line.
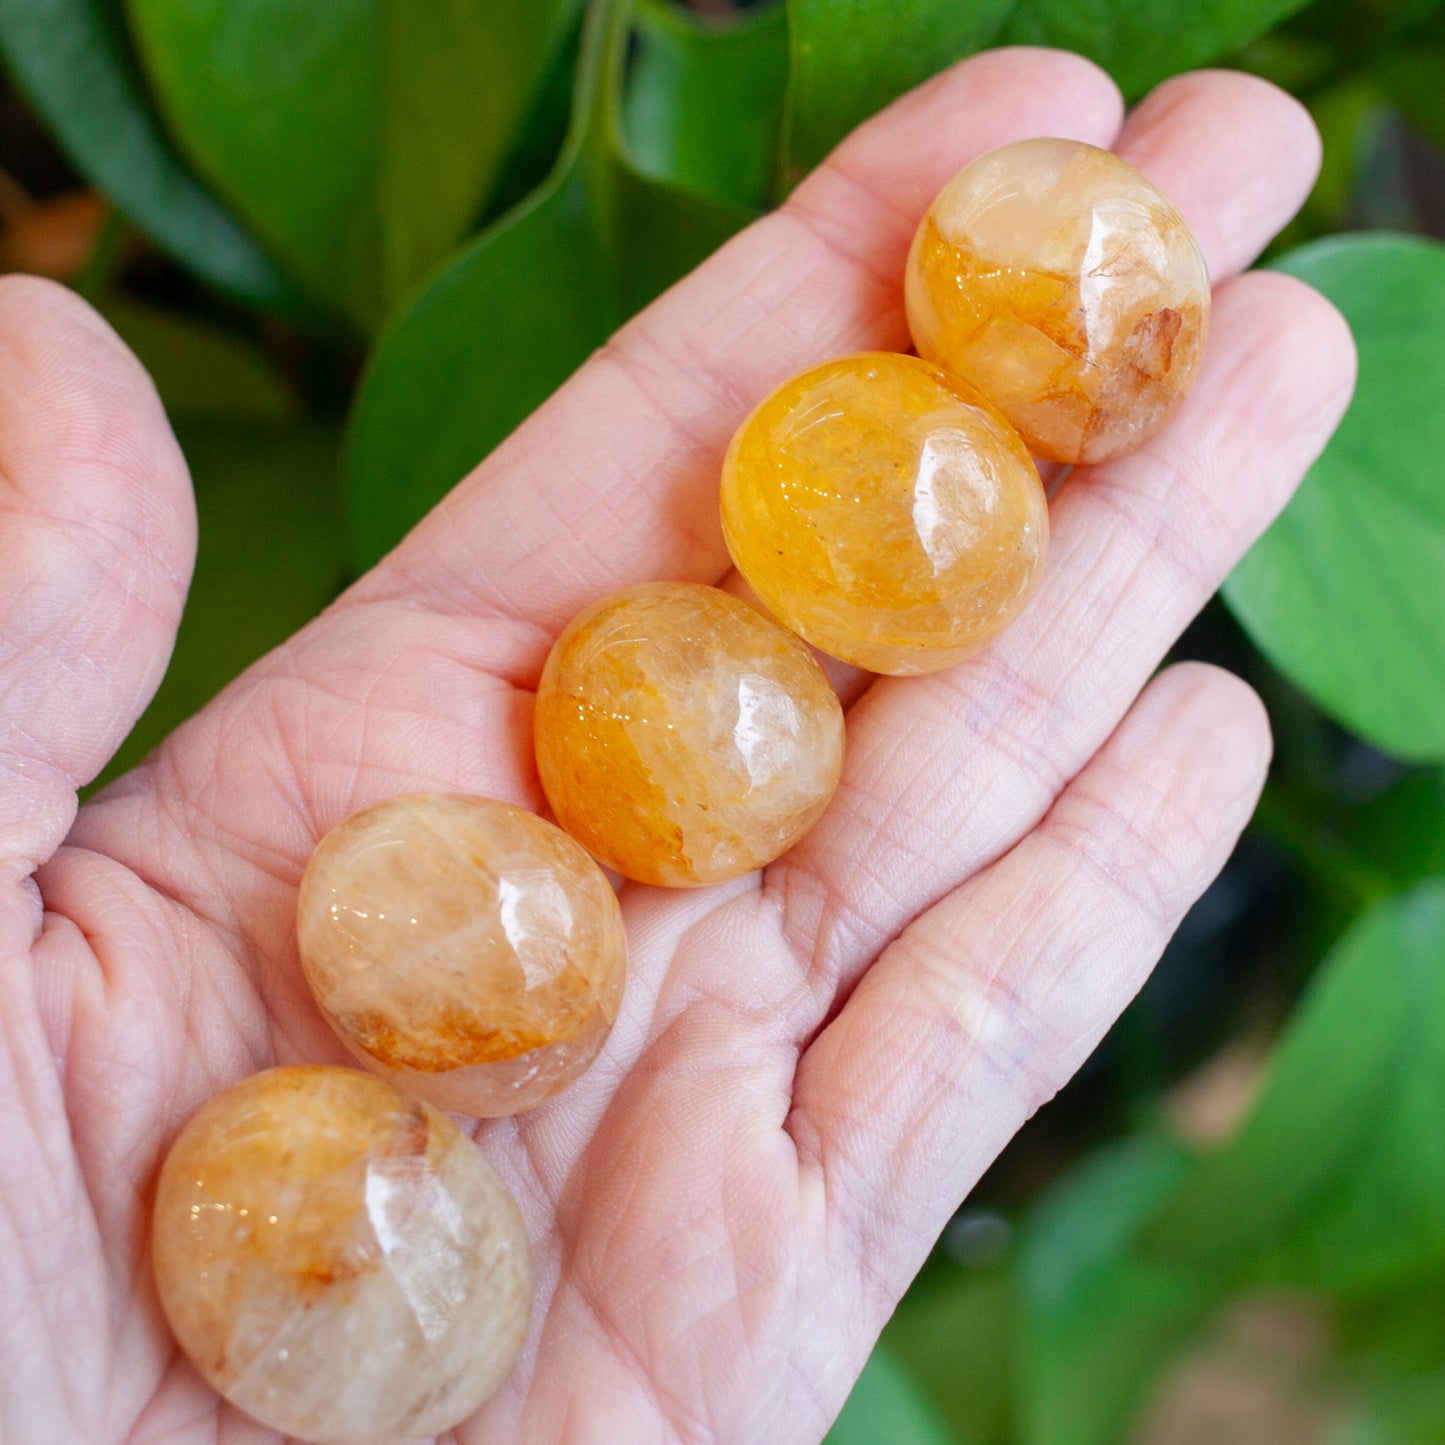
(338, 1261)
(465, 950)
(1058, 281)
(684, 737)
(885, 512)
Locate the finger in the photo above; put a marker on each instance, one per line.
(943, 774)
(990, 1001)
(96, 548)
(615, 480)
(1234, 154)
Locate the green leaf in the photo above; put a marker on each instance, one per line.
(201, 371)
(886, 1406)
(704, 103)
(270, 558)
(519, 309)
(1403, 830)
(73, 61)
(1345, 594)
(1336, 1180)
(359, 138)
(956, 1334)
(1414, 78)
(851, 57)
(1410, 1412)
(1397, 1335)
(1099, 1320)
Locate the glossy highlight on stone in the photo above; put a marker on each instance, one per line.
(1058, 281)
(683, 737)
(338, 1261)
(885, 512)
(463, 949)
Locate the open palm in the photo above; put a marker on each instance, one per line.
(812, 1065)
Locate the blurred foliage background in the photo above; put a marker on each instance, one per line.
(357, 242)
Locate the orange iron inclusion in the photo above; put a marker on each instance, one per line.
(1057, 280)
(338, 1261)
(466, 951)
(683, 736)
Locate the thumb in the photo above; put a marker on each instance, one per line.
(97, 541)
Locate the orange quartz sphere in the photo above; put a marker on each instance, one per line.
(338, 1261)
(466, 951)
(1058, 281)
(684, 737)
(885, 512)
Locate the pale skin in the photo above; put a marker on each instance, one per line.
(813, 1065)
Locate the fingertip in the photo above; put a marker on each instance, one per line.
(53, 318)
(1322, 341)
(1235, 154)
(911, 149)
(1024, 87)
(1209, 726)
(1274, 112)
(77, 404)
(97, 552)
(1287, 356)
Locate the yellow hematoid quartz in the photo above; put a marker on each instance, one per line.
(683, 737)
(468, 952)
(338, 1261)
(1058, 281)
(885, 512)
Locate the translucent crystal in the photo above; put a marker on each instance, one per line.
(684, 737)
(338, 1261)
(1058, 281)
(885, 512)
(465, 950)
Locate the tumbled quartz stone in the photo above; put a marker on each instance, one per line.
(1059, 282)
(683, 737)
(463, 949)
(884, 511)
(338, 1261)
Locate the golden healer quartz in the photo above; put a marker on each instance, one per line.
(684, 737)
(1058, 281)
(338, 1261)
(466, 951)
(884, 511)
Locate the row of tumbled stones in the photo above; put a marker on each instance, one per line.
(884, 508)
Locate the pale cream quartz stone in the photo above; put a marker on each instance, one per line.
(339, 1262)
(466, 951)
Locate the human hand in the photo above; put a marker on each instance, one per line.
(812, 1065)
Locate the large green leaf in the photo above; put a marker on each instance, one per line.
(704, 103)
(519, 309)
(1099, 1321)
(1414, 78)
(1345, 594)
(1402, 832)
(886, 1406)
(956, 1334)
(1408, 1412)
(850, 57)
(358, 137)
(1336, 1180)
(202, 372)
(73, 61)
